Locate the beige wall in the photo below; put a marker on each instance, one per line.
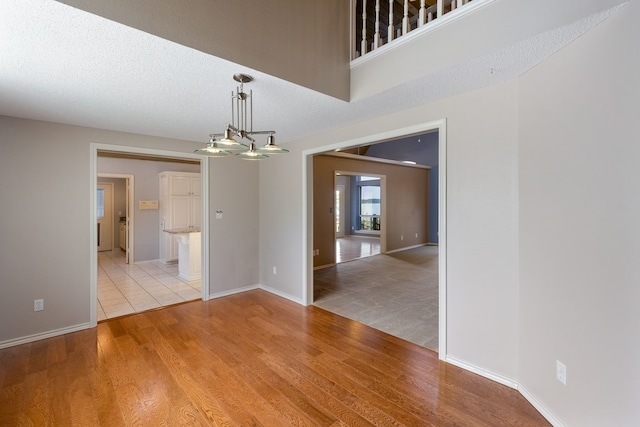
(579, 226)
(481, 135)
(304, 42)
(45, 224)
(407, 203)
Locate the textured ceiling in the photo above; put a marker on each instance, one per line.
(64, 65)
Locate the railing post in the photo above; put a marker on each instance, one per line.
(422, 15)
(405, 18)
(440, 10)
(363, 43)
(376, 36)
(390, 32)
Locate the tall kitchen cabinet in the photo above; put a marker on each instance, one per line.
(180, 209)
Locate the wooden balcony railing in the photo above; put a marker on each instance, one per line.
(379, 22)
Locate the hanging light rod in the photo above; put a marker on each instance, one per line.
(241, 126)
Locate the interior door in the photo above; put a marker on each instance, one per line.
(128, 219)
(339, 210)
(104, 213)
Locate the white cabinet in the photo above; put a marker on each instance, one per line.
(180, 209)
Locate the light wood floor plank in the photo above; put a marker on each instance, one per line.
(247, 359)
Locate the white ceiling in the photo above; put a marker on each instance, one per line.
(64, 65)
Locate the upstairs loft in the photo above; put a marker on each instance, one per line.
(379, 22)
(431, 49)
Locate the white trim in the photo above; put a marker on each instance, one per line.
(204, 228)
(93, 174)
(42, 335)
(372, 160)
(234, 291)
(482, 372)
(282, 294)
(540, 407)
(420, 31)
(307, 218)
(442, 239)
(253, 288)
(93, 238)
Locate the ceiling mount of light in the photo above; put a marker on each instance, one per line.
(241, 126)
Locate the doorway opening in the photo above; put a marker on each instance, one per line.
(358, 215)
(129, 277)
(426, 260)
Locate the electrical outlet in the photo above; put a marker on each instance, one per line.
(275, 271)
(561, 372)
(402, 237)
(38, 304)
(416, 235)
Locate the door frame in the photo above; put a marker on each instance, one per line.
(130, 188)
(94, 147)
(307, 212)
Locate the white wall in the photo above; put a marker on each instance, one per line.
(45, 168)
(482, 206)
(579, 153)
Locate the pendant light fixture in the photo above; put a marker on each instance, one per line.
(212, 150)
(241, 126)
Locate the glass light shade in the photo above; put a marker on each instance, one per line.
(252, 154)
(212, 150)
(229, 143)
(271, 147)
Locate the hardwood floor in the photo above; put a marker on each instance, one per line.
(247, 359)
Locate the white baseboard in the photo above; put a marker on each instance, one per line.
(540, 407)
(406, 248)
(282, 294)
(320, 267)
(482, 372)
(233, 291)
(43, 335)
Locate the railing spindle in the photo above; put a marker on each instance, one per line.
(363, 42)
(390, 32)
(425, 15)
(405, 18)
(422, 15)
(376, 36)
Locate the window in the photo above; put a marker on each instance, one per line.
(369, 208)
(100, 203)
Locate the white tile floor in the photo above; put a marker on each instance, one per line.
(132, 288)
